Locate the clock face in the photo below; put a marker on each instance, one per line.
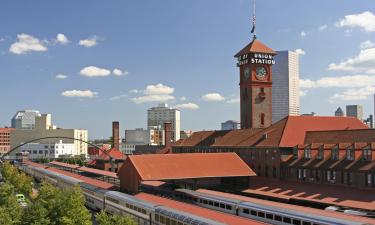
(261, 73)
(247, 73)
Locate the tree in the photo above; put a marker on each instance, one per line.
(104, 218)
(72, 210)
(9, 205)
(36, 214)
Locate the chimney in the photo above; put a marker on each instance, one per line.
(116, 134)
(167, 134)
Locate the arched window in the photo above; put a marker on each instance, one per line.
(262, 118)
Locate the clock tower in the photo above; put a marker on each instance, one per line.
(255, 63)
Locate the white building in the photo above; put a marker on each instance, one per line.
(285, 85)
(139, 136)
(51, 150)
(25, 119)
(44, 129)
(157, 116)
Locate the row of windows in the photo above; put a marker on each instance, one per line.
(127, 205)
(269, 216)
(331, 176)
(204, 201)
(166, 220)
(34, 152)
(366, 153)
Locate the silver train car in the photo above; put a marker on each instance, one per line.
(259, 212)
(144, 213)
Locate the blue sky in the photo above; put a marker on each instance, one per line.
(119, 58)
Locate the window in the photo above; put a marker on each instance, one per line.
(335, 153)
(269, 216)
(295, 152)
(320, 153)
(307, 152)
(228, 207)
(262, 118)
(369, 179)
(350, 153)
(287, 220)
(246, 211)
(261, 214)
(367, 154)
(254, 213)
(349, 178)
(278, 218)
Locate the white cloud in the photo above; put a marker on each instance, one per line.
(154, 93)
(114, 98)
(189, 105)
(61, 76)
(300, 51)
(183, 98)
(303, 34)
(234, 100)
(79, 94)
(26, 43)
(323, 27)
(61, 39)
(363, 62)
(365, 20)
(158, 89)
(354, 94)
(118, 72)
(2, 39)
(152, 98)
(367, 44)
(213, 97)
(93, 71)
(353, 81)
(88, 43)
(302, 93)
(134, 91)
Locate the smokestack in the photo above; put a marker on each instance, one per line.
(167, 134)
(116, 135)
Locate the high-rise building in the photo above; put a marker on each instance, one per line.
(255, 64)
(5, 139)
(339, 112)
(43, 128)
(157, 116)
(354, 111)
(369, 121)
(285, 86)
(25, 119)
(230, 125)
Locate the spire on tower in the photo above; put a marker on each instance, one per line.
(254, 21)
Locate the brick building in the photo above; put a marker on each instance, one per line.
(271, 152)
(5, 139)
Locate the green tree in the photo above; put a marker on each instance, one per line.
(36, 214)
(72, 210)
(9, 205)
(104, 218)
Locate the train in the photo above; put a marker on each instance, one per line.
(113, 202)
(278, 214)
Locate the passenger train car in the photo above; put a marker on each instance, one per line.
(118, 203)
(263, 212)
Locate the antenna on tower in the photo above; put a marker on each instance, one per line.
(254, 21)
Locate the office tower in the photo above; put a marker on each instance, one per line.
(339, 112)
(25, 119)
(285, 85)
(230, 125)
(354, 111)
(157, 116)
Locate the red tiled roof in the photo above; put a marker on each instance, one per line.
(196, 210)
(302, 209)
(314, 192)
(114, 153)
(336, 136)
(99, 172)
(234, 137)
(202, 138)
(255, 47)
(189, 165)
(291, 130)
(67, 165)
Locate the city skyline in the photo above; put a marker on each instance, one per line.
(90, 74)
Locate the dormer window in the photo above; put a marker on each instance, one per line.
(295, 152)
(350, 153)
(335, 153)
(367, 153)
(320, 153)
(307, 152)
